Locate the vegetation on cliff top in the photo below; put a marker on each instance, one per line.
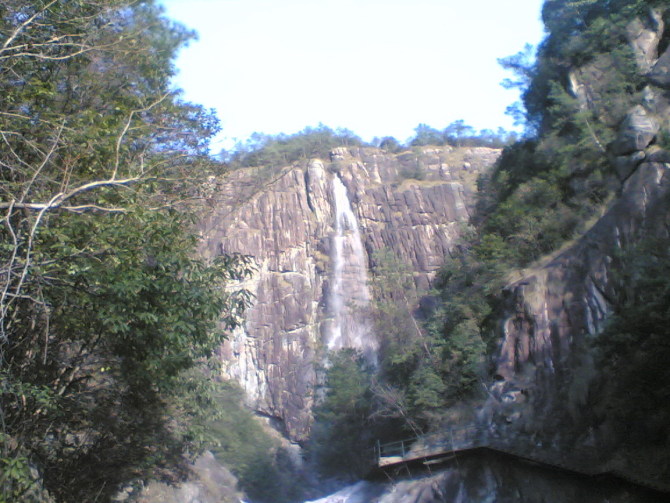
(281, 150)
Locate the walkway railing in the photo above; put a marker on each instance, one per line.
(454, 440)
(402, 451)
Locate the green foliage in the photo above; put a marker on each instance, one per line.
(460, 134)
(545, 187)
(264, 470)
(277, 151)
(531, 222)
(426, 389)
(395, 298)
(522, 67)
(390, 145)
(342, 421)
(103, 305)
(416, 172)
(579, 33)
(16, 480)
(426, 135)
(423, 369)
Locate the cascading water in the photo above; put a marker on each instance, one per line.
(360, 492)
(349, 297)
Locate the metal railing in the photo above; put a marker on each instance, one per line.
(453, 440)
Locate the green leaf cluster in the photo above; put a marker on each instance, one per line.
(103, 304)
(460, 134)
(277, 151)
(343, 419)
(430, 358)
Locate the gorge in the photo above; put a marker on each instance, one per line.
(259, 327)
(544, 369)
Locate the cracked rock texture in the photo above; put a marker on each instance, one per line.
(557, 305)
(285, 219)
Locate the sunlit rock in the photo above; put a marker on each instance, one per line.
(414, 203)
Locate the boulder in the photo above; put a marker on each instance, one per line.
(636, 133)
(626, 164)
(660, 73)
(644, 36)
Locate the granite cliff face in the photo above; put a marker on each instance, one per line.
(290, 222)
(551, 313)
(557, 306)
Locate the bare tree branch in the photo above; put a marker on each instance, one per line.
(59, 199)
(4, 307)
(125, 130)
(23, 25)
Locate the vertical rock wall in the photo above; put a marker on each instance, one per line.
(555, 307)
(286, 221)
(558, 305)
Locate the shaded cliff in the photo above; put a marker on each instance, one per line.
(286, 219)
(492, 477)
(548, 381)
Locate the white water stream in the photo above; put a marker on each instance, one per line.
(349, 297)
(360, 492)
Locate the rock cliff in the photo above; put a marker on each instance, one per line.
(553, 310)
(491, 477)
(413, 203)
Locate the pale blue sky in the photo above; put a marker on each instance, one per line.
(377, 67)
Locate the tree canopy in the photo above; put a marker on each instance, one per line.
(102, 300)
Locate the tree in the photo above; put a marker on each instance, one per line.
(426, 135)
(390, 144)
(102, 303)
(342, 430)
(457, 131)
(522, 66)
(277, 151)
(395, 300)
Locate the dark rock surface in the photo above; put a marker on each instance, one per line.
(485, 478)
(555, 307)
(660, 73)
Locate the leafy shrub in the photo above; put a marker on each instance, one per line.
(265, 471)
(342, 429)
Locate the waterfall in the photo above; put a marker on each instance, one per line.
(361, 492)
(349, 296)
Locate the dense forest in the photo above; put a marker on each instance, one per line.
(108, 319)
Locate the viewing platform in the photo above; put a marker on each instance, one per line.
(442, 446)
